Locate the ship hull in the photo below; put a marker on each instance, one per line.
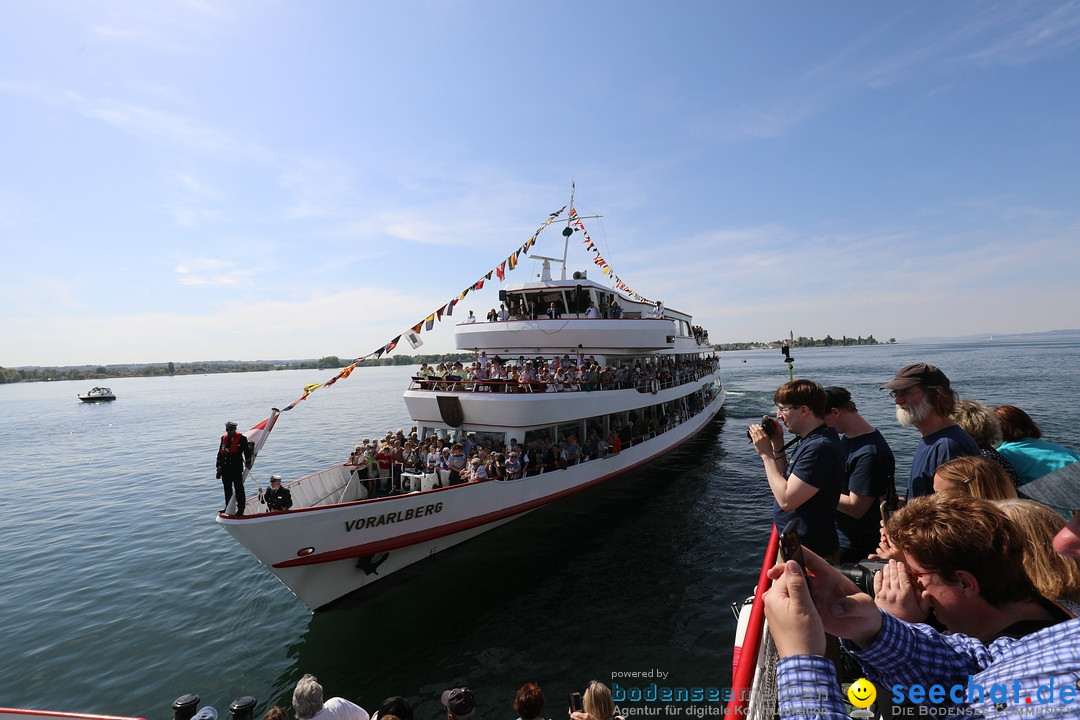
(325, 552)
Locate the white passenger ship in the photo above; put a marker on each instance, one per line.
(338, 538)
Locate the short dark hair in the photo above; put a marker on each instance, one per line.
(396, 706)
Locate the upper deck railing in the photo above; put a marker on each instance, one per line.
(601, 384)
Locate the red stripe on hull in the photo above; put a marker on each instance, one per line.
(443, 530)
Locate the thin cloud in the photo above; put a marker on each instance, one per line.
(212, 272)
(1053, 32)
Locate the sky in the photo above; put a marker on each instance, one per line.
(194, 180)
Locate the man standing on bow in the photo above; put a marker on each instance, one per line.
(235, 454)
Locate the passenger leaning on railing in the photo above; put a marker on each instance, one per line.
(413, 461)
(456, 462)
(513, 466)
(496, 466)
(474, 471)
(384, 460)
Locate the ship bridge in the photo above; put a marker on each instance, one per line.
(530, 331)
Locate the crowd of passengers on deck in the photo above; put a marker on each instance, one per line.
(554, 311)
(387, 465)
(560, 374)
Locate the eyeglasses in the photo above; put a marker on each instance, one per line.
(782, 409)
(902, 393)
(914, 576)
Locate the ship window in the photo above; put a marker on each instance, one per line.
(545, 300)
(568, 429)
(543, 434)
(446, 434)
(494, 441)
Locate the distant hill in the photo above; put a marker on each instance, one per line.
(998, 337)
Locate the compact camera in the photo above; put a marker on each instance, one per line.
(769, 425)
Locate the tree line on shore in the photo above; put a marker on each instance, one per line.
(803, 341)
(105, 372)
(330, 362)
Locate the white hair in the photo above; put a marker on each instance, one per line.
(307, 698)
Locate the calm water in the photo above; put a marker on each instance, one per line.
(120, 593)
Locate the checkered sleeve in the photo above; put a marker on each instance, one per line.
(808, 689)
(910, 653)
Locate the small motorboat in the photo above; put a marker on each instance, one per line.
(98, 394)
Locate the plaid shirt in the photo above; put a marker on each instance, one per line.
(808, 689)
(1035, 676)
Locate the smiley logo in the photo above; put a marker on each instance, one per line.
(861, 693)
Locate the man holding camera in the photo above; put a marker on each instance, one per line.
(806, 487)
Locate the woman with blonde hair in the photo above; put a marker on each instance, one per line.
(982, 425)
(1056, 577)
(597, 703)
(976, 476)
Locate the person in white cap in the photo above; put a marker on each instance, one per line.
(278, 497)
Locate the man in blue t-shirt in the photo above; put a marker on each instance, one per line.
(869, 471)
(806, 487)
(924, 399)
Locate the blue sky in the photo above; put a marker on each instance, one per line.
(273, 180)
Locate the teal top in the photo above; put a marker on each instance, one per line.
(1034, 458)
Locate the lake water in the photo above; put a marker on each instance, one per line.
(120, 592)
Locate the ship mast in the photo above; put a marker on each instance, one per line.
(567, 232)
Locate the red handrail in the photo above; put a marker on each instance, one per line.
(743, 677)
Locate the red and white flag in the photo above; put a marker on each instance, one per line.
(256, 436)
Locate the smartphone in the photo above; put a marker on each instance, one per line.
(575, 703)
(886, 511)
(890, 505)
(791, 546)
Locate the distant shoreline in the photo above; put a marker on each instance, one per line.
(39, 373)
(83, 373)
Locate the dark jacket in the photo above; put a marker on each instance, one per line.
(280, 499)
(234, 453)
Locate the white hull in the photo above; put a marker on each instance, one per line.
(314, 551)
(98, 394)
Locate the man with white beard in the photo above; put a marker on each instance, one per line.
(924, 399)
